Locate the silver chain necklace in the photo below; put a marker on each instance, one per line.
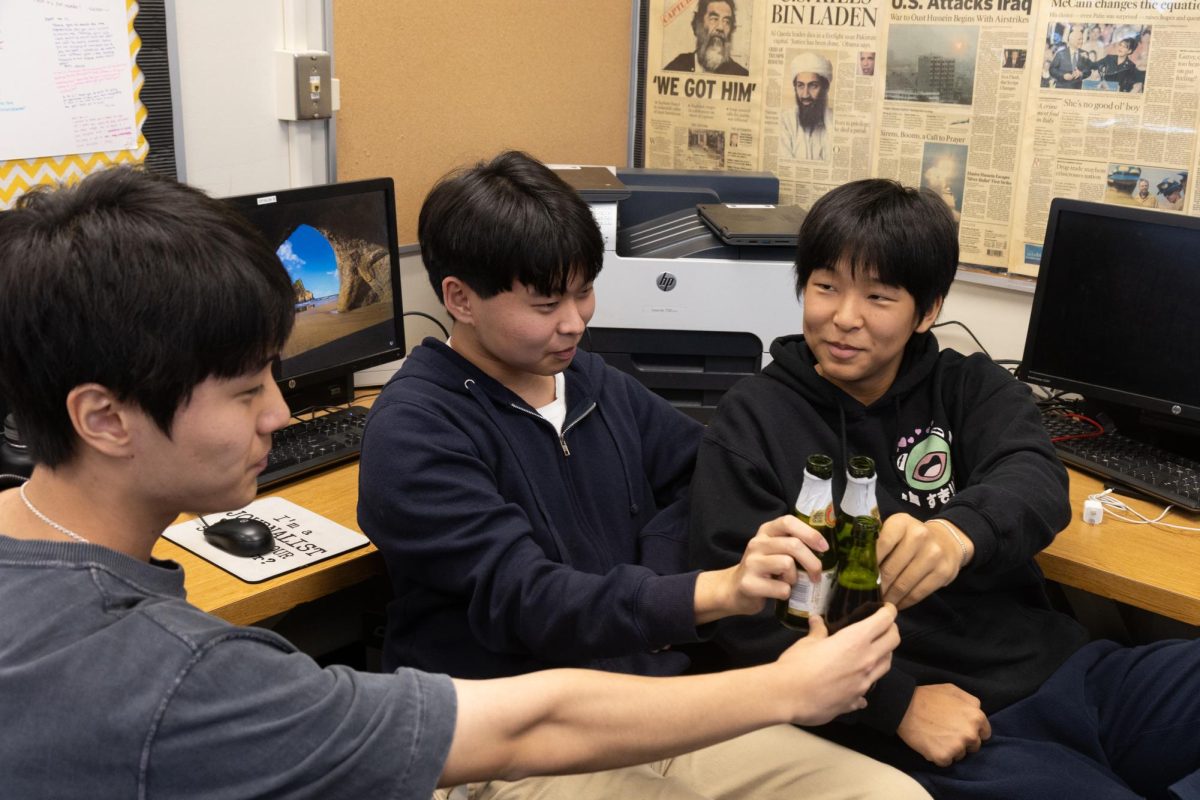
(47, 520)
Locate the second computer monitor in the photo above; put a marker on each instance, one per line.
(338, 244)
(1116, 315)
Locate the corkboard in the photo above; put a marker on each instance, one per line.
(426, 87)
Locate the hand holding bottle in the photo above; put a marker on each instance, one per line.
(918, 558)
(832, 674)
(771, 563)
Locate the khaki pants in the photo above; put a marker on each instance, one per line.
(778, 762)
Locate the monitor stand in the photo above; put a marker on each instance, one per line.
(335, 391)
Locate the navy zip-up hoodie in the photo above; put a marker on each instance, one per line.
(954, 437)
(512, 549)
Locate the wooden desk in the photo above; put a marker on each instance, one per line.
(1157, 569)
(332, 494)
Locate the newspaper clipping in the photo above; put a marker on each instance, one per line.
(821, 87)
(1114, 116)
(997, 105)
(702, 105)
(786, 86)
(952, 108)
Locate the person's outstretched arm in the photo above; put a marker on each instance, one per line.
(561, 721)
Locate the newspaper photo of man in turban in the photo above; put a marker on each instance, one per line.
(805, 126)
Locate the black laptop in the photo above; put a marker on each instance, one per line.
(745, 223)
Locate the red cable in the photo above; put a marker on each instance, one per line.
(1089, 435)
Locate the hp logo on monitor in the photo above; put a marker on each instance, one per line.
(666, 282)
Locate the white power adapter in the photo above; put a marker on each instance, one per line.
(1093, 512)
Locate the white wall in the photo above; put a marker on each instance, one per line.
(224, 80)
(998, 316)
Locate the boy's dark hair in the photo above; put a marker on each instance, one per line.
(511, 219)
(134, 282)
(906, 237)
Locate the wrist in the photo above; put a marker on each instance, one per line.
(775, 684)
(713, 598)
(965, 545)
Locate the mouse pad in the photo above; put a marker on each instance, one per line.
(301, 538)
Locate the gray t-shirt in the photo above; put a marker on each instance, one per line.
(111, 685)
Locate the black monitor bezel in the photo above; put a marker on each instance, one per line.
(335, 384)
(1168, 409)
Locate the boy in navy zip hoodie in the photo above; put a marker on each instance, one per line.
(987, 674)
(531, 503)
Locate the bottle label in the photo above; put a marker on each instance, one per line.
(810, 598)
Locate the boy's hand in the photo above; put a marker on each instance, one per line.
(845, 666)
(943, 723)
(916, 559)
(770, 564)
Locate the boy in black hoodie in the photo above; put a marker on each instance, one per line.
(969, 489)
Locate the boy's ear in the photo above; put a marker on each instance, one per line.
(456, 296)
(926, 322)
(100, 420)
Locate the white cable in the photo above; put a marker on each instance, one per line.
(1116, 505)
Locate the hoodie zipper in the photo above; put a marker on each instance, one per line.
(562, 437)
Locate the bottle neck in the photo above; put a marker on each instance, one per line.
(859, 568)
(859, 498)
(816, 496)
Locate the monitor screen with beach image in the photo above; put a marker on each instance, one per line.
(338, 244)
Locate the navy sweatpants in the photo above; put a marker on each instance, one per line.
(1112, 722)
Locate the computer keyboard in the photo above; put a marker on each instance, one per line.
(313, 445)
(1148, 469)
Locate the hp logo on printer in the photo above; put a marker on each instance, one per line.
(666, 282)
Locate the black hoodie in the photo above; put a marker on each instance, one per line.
(954, 437)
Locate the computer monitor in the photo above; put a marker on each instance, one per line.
(338, 243)
(1116, 317)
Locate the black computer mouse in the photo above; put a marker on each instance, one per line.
(240, 537)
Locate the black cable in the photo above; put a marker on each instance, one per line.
(430, 317)
(978, 343)
(312, 410)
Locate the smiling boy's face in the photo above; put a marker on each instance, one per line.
(521, 334)
(857, 329)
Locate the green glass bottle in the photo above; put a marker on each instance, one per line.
(859, 498)
(856, 594)
(814, 507)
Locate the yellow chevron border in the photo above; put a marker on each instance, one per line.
(17, 176)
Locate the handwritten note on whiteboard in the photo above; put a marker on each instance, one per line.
(68, 80)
